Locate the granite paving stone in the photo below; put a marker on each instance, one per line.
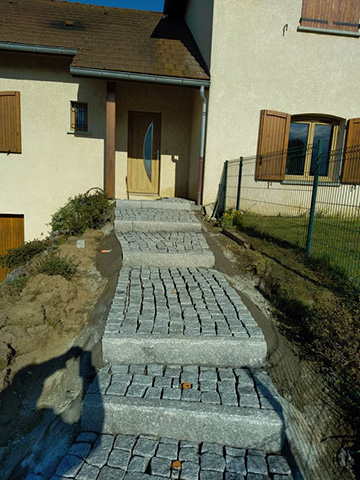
(88, 472)
(151, 458)
(211, 461)
(138, 464)
(125, 442)
(278, 464)
(119, 459)
(190, 470)
(160, 466)
(108, 473)
(256, 464)
(69, 466)
(145, 447)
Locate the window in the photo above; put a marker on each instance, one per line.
(337, 15)
(10, 122)
(287, 148)
(79, 117)
(304, 136)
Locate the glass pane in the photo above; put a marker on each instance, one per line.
(81, 117)
(324, 133)
(148, 149)
(298, 139)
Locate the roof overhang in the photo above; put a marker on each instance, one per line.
(138, 77)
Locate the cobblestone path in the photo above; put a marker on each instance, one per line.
(183, 393)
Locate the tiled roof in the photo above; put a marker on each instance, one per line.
(107, 38)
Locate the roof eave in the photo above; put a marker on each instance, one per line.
(139, 77)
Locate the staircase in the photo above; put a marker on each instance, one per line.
(184, 393)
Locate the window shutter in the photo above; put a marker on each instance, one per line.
(272, 145)
(10, 126)
(351, 165)
(331, 14)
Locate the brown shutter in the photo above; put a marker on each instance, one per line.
(11, 236)
(351, 166)
(10, 126)
(331, 14)
(272, 145)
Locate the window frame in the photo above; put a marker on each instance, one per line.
(312, 121)
(74, 126)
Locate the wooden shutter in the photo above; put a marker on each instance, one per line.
(10, 126)
(351, 165)
(11, 236)
(272, 145)
(331, 14)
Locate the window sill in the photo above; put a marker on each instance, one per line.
(78, 132)
(328, 31)
(326, 183)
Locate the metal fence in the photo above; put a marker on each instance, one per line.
(306, 197)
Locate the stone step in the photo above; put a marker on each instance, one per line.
(155, 220)
(165, 249)
(134, 457)
(237, 407)
(160, 204)
(182, 315)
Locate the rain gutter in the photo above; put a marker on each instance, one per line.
(24, 47)
(138, 77)
(202, 146)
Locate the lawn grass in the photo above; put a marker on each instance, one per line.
(335, 240)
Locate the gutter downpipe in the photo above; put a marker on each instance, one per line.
(202, 146)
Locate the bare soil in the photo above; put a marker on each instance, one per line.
(39, 322)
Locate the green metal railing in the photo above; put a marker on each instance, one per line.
(315, 206)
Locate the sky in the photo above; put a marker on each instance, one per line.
(154, 5)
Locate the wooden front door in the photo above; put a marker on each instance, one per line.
(11, 236)
(143, 166)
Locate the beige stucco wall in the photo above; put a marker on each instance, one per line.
(256, 64)
(175, 106)
(199, 19)
(53, 165)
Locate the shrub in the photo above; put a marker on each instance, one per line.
(21, 255)
(53, 264)
(82, 212)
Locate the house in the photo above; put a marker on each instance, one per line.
(121, 99)
(283, 73)
(94, 97)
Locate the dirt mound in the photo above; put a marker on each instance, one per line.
(41, 320)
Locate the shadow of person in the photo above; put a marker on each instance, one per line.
(40, 413)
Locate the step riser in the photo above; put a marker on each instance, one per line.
(126, 226)
(221, 351)
(175, 260)
(156, 204)
(261, 429)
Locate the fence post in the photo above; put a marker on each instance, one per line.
(313, 197)
(239, 184)
(225, 181)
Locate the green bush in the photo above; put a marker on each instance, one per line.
(82, 212)
(53, 264)
(21, 255)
